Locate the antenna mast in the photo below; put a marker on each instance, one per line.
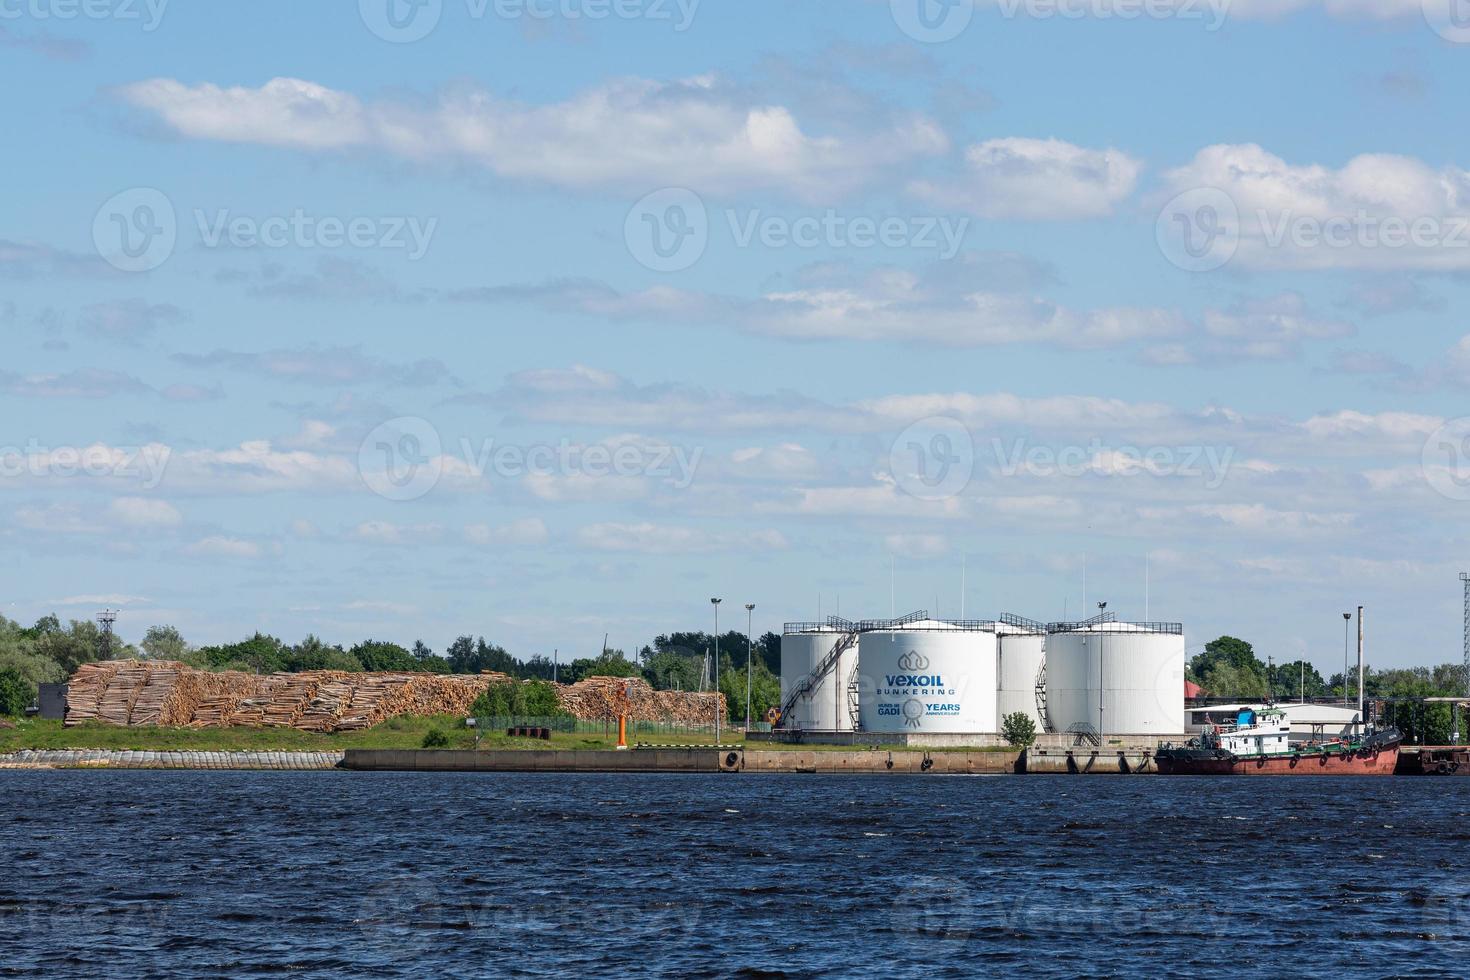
(106, 618)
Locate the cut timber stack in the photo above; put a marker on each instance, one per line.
(143, 692)
(605, 698)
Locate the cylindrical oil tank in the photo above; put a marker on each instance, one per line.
(928, 677)
(1116, 678)
(1022, 656)
(828, 705)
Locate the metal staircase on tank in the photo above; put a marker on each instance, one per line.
(1041, 711)
(828, 664)
(855, 699)
(1085, 732)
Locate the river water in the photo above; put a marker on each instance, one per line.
(329, 874)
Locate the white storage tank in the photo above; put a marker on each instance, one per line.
(1022, 660)
(1116, 678)
(928, 676)
(828, 706)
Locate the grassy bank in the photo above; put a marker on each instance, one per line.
(397, 733)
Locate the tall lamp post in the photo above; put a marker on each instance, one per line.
(749, 649)
(716, 604)
(1347, 647)
(1102, 636)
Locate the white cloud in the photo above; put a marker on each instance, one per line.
(112, 599)
(1345, 9)
(661, 539)
(917, 545)
(1377, 211)
(385, 532)
(145, 512)
(887, 304)
(526, 532)
(126, 321)
(1035, 179)
(220, 546)
(629, 134)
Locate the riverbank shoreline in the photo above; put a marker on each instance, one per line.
(127, 759)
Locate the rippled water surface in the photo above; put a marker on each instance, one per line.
(132, 874)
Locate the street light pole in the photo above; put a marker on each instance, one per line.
(1102, 636)
(749, 649)
(716, 672)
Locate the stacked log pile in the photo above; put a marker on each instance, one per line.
(131, 692)
(605, 698)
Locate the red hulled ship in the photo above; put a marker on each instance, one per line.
(1259, 744)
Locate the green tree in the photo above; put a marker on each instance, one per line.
(518, 699)
(164, 643)
(312, 654)
(16, 693)
(468, 655)
(1229, 668)
(1224, 680)
(1018, 729)
(78, 643)
(260, 654)
(765, 688)
(612, 663)
(1286, 681)
(375, 655)
(672, 669)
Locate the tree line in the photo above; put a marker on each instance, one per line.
(50, 652)
(1229, 668)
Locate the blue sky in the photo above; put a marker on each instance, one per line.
(295, 429)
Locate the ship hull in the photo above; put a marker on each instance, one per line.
(1365, 762)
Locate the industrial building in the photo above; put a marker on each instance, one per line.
(916, 675)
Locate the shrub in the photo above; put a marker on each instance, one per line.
(1018, 729)
(435, 739)
(508, 699)
(16, 693)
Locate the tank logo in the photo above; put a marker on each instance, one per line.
(913, 710)
(913, 662)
